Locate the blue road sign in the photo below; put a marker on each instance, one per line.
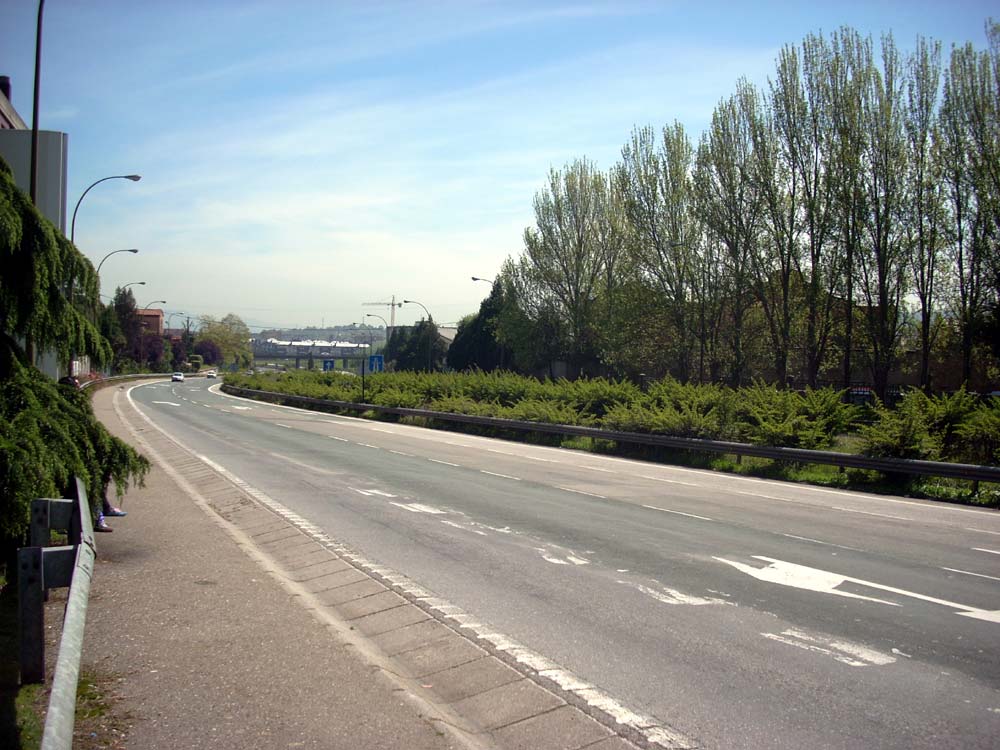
(376, 363)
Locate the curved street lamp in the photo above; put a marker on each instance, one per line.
(488, 281)
(154, 302)
(171, 317)
(373, 315)
(72, 226)
(430, 342)
(132, 250)
(414, 302)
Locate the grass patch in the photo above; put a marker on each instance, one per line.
(20, 707)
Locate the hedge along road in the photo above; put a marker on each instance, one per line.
(738, 612)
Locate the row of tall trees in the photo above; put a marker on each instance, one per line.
(137, 349)
(847, 211)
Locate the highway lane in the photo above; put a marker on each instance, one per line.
(742, 613)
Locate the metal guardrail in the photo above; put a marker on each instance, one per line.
(41, 568)
(971, 472)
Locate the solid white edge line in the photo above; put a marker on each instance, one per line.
(983, 549)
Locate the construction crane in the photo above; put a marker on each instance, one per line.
(392, 305)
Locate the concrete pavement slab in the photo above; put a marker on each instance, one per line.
(473, 678)
(369, 605)
(565, 728)
(341, 594)
(333, 580)
(446, 653)
(412, 636)
(390, 619)
(507, 704)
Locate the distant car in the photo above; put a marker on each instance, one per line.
(210, 374)
(177, 377)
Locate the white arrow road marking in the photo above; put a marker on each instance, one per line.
(825, 582)
(843, 651)
(168, 403)
(672, 596)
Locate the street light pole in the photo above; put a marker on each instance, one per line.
(488, 281)
(132, 250)
(72, 226)
(430, 342)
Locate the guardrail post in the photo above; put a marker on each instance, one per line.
(30, 615)
(39, 528)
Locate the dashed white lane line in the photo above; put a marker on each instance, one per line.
(594, 468)
(818, 541)
(282, 425)
(400, 453)
(167, 403)
(668, 481)
(581, 492)
(439, 461)
(869, 513)
(970, 573)
(502, 476)
(983, 549)
(678, 512)
(334, 437)
(369, 445)
(502, 453)
(984, 531)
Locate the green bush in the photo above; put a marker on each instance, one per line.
(902, 432)
(48, 435)
(977, 439)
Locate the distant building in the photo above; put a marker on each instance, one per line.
(9, 118)
(53, 152)
(151, 320)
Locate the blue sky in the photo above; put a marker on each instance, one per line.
(301, 158)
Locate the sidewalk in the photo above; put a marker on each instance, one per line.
(204, 649)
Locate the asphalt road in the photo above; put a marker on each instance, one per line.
(742, 613)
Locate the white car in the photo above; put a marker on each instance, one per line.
(177, 377)
(210, 373)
